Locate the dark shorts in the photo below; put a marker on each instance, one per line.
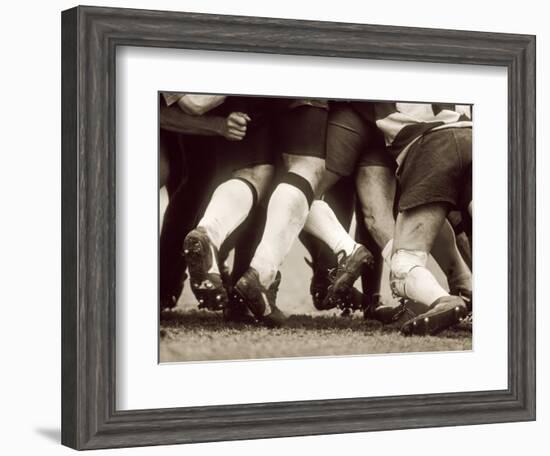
(278, 126)
(175, 152)
(301, 131)
(353, 142)
(256, 147)
(437, 169)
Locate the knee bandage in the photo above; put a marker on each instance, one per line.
(403, 262)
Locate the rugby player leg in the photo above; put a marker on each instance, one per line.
(352, 257)
(430, 182)
(229, 206)
(376, 190)
(189, 181)
(448, 257)
(340, 198)
(347, 137)
(303, 145)
(376, 193)
(458, 223)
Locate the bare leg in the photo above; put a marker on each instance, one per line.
(417, 229)
(260, 176)
(450, 260)
(415, 232)
(376, 191)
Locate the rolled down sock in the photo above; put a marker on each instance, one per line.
(409, 277)
(322, 223)
(286, 215)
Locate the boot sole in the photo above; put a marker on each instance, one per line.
(436, 322)
(207, 287)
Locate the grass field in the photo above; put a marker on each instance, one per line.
(200, 335)
(188, 334)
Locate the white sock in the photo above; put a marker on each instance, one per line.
(229, 206)
(421, 286)
(411, 279)
(323, 224)
(286, 214)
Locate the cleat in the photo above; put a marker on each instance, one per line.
(320, 281)
(389, 314)
(465, 294)
(259, 300)
(466, 322)
(201, 256)
(443, 313)
(345, 274)
(236, 312)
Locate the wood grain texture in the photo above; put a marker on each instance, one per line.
(89, 40)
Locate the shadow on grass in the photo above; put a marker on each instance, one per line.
(200, 320)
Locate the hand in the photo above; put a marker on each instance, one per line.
(234, 128)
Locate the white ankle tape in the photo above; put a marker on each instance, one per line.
(402, 262)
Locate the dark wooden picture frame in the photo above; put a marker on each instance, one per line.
(90, 37)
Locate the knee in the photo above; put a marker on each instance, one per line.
(310, 168)
(370, 216)
(259, 177)
(402, 262)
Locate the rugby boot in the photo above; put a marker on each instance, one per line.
(236, 310)
(345, 274)
(465, 294)
(259, 300)
(443, 313)
(319, 284)
(354, 301)
(206, 284)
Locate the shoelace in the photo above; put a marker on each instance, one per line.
(341, 257)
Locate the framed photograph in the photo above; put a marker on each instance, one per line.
(279, 228)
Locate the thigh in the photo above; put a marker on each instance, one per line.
(376, 187)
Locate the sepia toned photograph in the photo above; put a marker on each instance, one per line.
(296, 227)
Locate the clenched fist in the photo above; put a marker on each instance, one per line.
(234, 128)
